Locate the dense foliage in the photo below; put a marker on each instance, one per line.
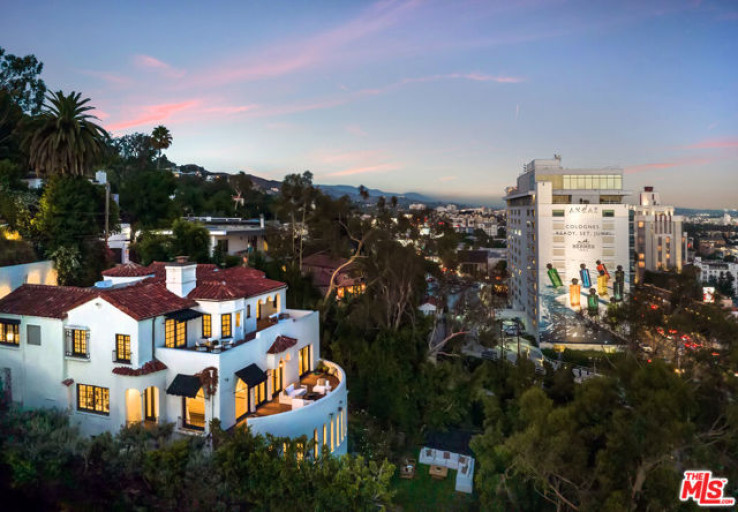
(46, 464)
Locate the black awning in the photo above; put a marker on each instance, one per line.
(183, 315)
(252, 375)
(11, 321)
(184, 385)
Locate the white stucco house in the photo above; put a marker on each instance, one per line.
(173, 342)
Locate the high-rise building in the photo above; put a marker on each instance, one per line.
(660, 243)
(562, 224)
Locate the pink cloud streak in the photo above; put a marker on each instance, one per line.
(299, 54)
(153, 114)
(725, 143)
(365, 170)
(148, 62)
(666, 165)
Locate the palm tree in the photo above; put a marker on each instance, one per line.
(161, 138)
(63, 139)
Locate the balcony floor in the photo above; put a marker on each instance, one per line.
(274, 407)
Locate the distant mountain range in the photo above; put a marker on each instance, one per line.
(404, 199)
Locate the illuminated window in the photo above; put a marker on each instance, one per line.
(315, 441)
(640, 224)
(93, 399)
(333, 444)
(175, 333)
(260, 394)
(207, 326)
(238, 319)
(194, 411)
(169, 333)
(339, 437)
(123, 348)
(304, 360)
(345, 424)
(77, 342)
(325, 436)
(277, 376)
(300, 450)
(225, 325)
(9, 333)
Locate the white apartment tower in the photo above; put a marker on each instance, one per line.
(659, 242)
(566, 218)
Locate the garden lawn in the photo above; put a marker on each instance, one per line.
(422, 493)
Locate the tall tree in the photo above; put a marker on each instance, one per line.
(295, 202)
(63, 139)
(19, 76)
(161, 138)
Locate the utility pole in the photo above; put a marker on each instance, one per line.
(107, 212)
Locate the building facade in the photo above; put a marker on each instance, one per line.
(565, 218)
(659, 240)
(173, 342)
(713, 271)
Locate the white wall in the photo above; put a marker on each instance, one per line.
(305, 420)
(38, 272)
(37, 371)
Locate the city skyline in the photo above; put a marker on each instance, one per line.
(431, 97)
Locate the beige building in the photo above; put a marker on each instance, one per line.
(659, 241)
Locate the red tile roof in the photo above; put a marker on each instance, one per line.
(45, 300)
(150, 367)
(215, 291)
(145, 300)
(127, 270)
(322, 260)
(281, 344)
(232, 283)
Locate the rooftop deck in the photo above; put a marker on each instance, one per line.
(223, 345)
(274, 407)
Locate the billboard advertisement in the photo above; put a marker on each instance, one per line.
(581, 273)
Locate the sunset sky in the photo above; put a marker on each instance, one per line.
(447, 98)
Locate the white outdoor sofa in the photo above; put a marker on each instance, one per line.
(290, 392)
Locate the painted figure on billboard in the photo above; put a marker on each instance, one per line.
(602, 268)
(602, 283)
(553, 275)
(584, 274)
(619, 285)
(592, 302)
(574, 292)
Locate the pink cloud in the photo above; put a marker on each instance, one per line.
(667, 165)
(148, 62)
(447, 178)
(309, 52)
(725, 143)
(365, 170)
(153, 114)
(230, 109)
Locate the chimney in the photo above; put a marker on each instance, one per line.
(181, 276)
